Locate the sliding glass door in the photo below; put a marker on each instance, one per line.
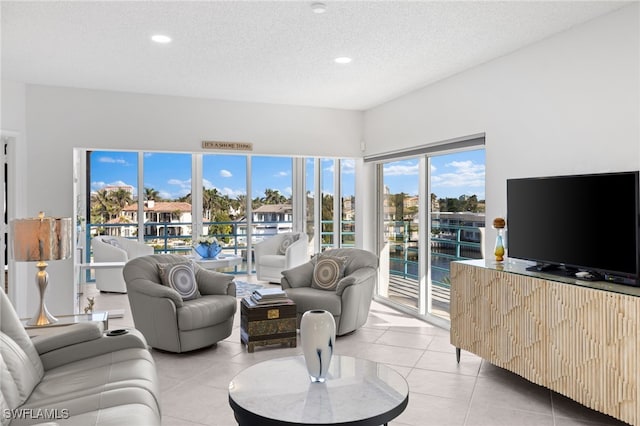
(456, 218)
(401, 230)
(431, 212)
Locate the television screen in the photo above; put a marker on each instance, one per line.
(584, 222)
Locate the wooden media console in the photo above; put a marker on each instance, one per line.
(577, 338)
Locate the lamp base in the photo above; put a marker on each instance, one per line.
(42, 317)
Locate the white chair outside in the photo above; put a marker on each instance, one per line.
(278, 253)
(115, 249)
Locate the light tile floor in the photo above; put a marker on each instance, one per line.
(194, 385)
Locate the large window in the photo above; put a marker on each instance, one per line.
(166, 202)
(239, 199)
(327, 179)
(310, 199)
(224, 202)
(272, 203)
(347, 203)
(113, 179)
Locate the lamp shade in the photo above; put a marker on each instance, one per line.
(41, 238)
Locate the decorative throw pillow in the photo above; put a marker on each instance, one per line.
(286, 242)
(181, 278)
(327, 272)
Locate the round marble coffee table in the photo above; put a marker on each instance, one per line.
(279, 392)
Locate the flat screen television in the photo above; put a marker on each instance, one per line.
(587, 224)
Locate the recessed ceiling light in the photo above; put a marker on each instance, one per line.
(159, 38)
(342, 60)
(319, 7)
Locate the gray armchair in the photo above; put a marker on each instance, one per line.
(166, 320)
(349, 302)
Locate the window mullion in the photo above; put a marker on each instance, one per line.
(317, 205)
(197, 227)
(141, 199)
(337, 205)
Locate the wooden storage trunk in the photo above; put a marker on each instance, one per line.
(272, 324)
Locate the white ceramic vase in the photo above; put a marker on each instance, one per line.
(318, 335)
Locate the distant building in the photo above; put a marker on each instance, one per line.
(449, 222)
(410, 202)
(176, 215)
(114, 188)
(268, 219)
(272, 219)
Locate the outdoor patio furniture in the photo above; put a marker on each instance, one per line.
(279, 252)
(115, 249)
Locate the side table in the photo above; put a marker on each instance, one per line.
(72, 319)
(222, 261)
(271, 324)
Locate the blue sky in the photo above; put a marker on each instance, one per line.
(170, 174)
(452, 175)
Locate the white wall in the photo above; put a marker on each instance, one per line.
(568, 104)
(64, 118)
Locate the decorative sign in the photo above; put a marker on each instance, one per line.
(235, 146)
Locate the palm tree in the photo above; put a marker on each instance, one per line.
(273, 196)
(151, 194)
(100, 206)
(257, 202)
(120, 198)
(211, 203)
(240, 204)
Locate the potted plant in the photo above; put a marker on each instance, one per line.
(207, 246)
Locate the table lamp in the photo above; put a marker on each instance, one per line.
(38, 240)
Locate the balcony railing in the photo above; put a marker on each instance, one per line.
(168, 237)
(448, 243)
(347, 233)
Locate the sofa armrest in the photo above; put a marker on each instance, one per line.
(152, 289)
(356, 277)
(300, 276)
(92, 348)
(212, 282)
(48, 339)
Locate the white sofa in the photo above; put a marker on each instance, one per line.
(115, 249)
(75, 375)
(278, 253)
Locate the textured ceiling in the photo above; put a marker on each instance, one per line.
(271, 51)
